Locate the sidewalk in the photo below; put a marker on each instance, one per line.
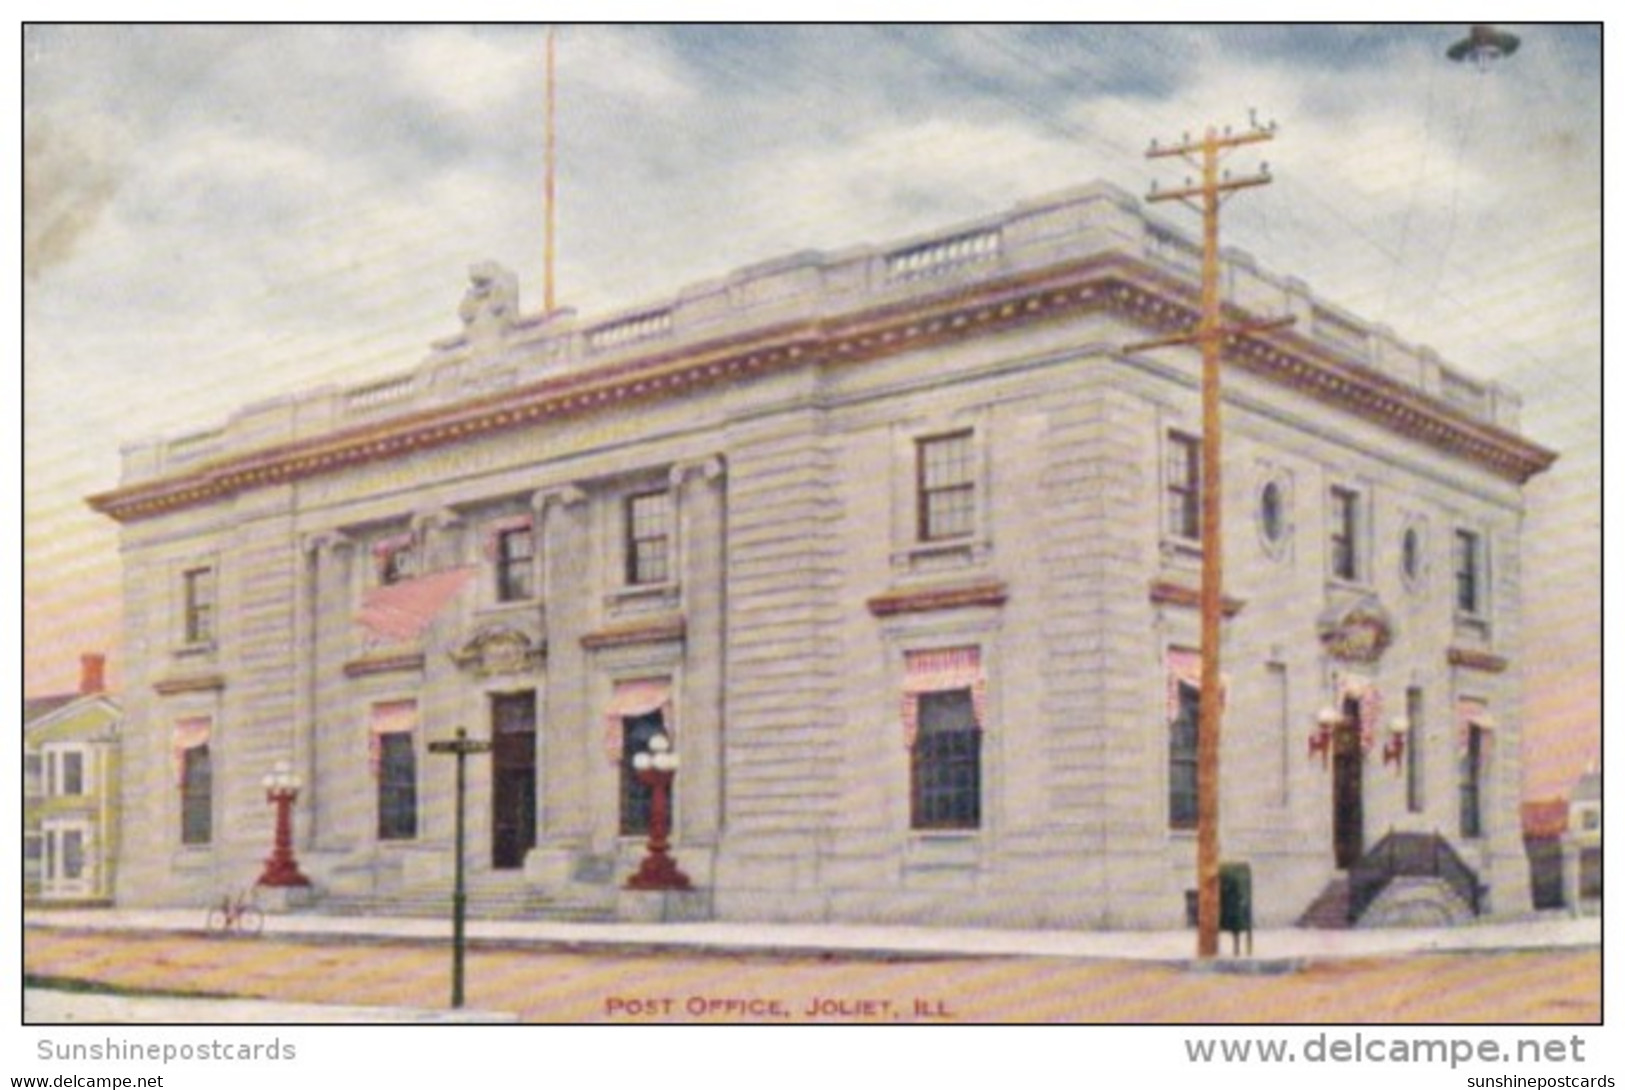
(1273, 948)
(45, 1007)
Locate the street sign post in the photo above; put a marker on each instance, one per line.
(459, 747)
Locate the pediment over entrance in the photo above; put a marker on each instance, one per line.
(499, 650)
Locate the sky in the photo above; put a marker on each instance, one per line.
(215, 215)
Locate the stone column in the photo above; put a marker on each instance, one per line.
(701, 498)
(568, 726)
(329, 643)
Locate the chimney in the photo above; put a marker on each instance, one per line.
(92, 673)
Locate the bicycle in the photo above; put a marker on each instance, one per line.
(236, 913)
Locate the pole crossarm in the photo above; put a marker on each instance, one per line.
(1210, 334)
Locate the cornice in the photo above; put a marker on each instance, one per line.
(189, 683)
(932, 599)
(653, 630)
(1482, 661)
(369, 665)
(1166, 593)
(1114, 283)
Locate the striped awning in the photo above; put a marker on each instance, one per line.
(940, 671)
(1364, 692)
(1472, 712)
(399, 612)
(390, 717)
(630, 700)
(189, 733)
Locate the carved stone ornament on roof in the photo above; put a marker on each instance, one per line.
(1358, 632)
(491, 303)
(499, 650)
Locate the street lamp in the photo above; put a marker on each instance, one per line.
(656, 767)
(281, 869)
(1320, 742)
(1393, 750)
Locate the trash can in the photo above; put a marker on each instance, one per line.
(1236, 903)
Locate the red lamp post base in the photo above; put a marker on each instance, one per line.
(281, 869)
(658, 872)
(658, 869)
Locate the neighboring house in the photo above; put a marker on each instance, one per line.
(898, 544)
(1545, 828)
(1585, 843)
(70, 791)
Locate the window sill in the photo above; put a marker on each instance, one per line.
(195, 650)
(933, 557)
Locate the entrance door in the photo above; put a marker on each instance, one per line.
(513, 778)
(66, 864)
(1348, 789)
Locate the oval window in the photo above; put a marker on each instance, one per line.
(1270, 511)
(1410, 553)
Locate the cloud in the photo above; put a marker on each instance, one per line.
(71, 171)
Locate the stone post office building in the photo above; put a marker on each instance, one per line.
(899, 546)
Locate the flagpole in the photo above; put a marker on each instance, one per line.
(547, 280)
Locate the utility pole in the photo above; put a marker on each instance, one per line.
(1210, 334)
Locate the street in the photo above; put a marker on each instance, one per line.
(562, 985)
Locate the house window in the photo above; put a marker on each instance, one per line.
(1344, 518)
(947, 762)
(1472, 782)
(397, 787)
(1414, 801)
(637, 797)
(73, 855)
(1182, 741)
(515, 567)
(72, 769)
(197, 590)
(648, 538)
(1469, 572)
(945, 487)
(1183, 513)
(197, 796)
(33, 775)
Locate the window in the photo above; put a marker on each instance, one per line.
(947, 762)
(637, 797)
(197, 588)
(397, 787)
(396, 564)
(1182, 740)
(515, 569)
(1469, 565)
(1344, 518)
(1410, 556)
(1272, 512)
(73, 774)
(945, 487)
(1414, 801)
(1184, 483)
(1472, 783)
(197, 796)
(73, 855)
(33, 775)
(648, 538)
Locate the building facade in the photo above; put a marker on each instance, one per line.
(897, 545)
(70, 792)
